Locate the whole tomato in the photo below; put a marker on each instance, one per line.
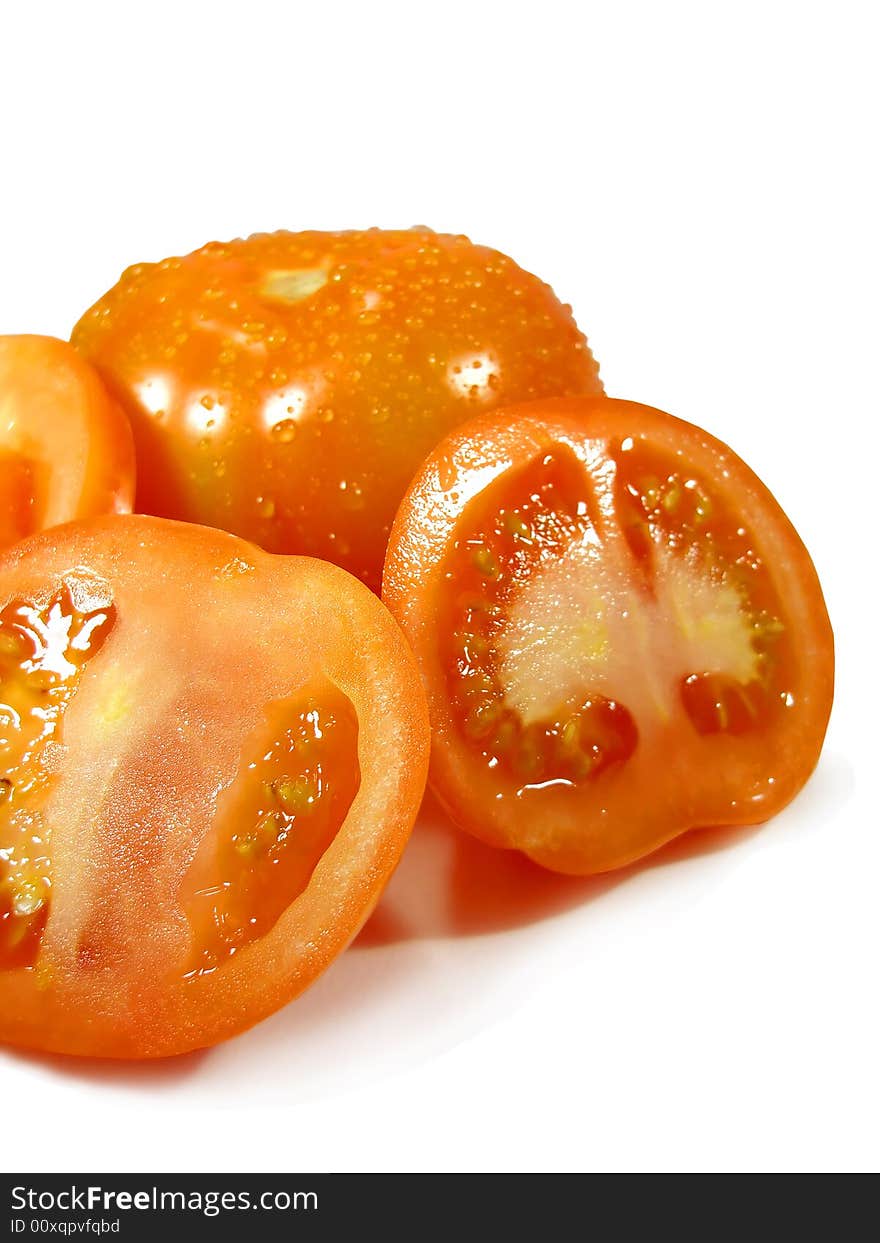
(287, 386)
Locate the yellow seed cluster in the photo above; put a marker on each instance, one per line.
(296, 780)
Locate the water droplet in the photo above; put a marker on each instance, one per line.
(208, 401)
(352, 494)
(265, 506)
(284, 431)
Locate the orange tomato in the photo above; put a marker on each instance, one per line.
(212, 758)
(286, 387)
(621, 635)
(65, 447)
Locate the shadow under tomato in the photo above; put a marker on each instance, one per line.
(450, 884)
(151, 1073)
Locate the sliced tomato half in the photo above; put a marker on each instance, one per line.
(210, 762)
(66, 448)
(621, 634)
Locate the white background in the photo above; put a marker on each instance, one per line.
(699, 181)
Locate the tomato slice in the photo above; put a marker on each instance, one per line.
(621, 635)
(210, 761)
(66, 448)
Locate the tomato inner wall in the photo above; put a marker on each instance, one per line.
(529, 520)
(42, 655)
(662, 502)
(297, 779)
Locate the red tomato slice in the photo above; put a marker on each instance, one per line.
(621, 635)
(211, 761)
(66, 448)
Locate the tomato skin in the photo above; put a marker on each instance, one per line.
(66, 445)
(208, 630)
(286, 387)
(676, 780)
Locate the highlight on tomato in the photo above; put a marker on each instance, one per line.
(621, 635)
(66, 448)
(287, 386)
(210, 762)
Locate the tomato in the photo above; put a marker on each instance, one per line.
(212, 759)
(65, 447)
(286, 387)
(621, 635)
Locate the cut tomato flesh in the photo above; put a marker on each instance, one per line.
(42, 654)
(621, 634)
(509, 676)
(297, 780)
(564, 584)
(211, 761)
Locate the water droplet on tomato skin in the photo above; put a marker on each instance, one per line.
(352, 494)
(428, 282)
(284, 431)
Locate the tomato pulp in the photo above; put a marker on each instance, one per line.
(210, 762)
(287, 386)
(621, 635)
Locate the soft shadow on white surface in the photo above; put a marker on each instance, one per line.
(462, 935)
